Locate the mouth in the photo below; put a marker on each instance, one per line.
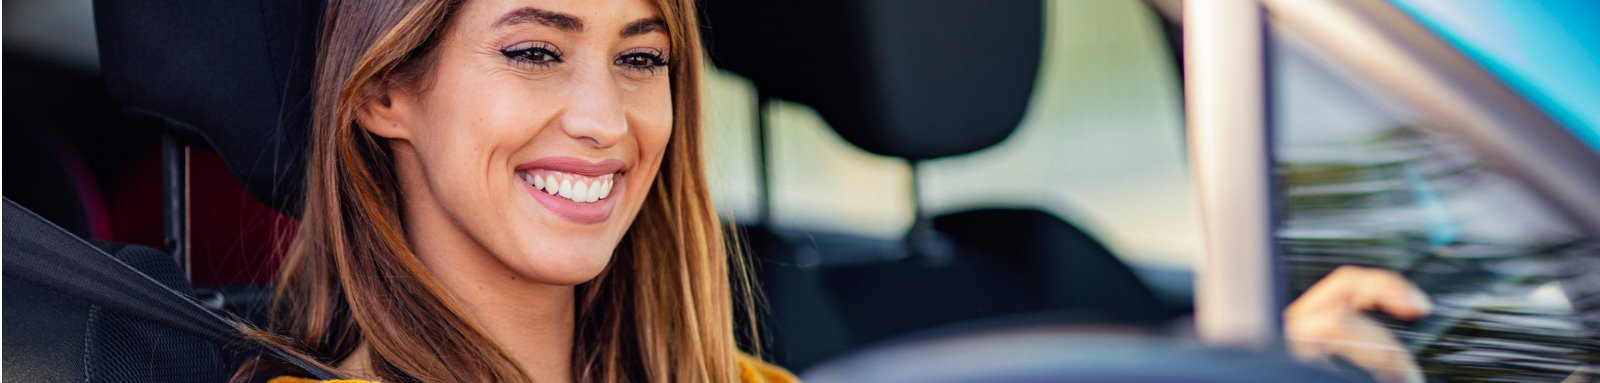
(577, 190)
(573, 187)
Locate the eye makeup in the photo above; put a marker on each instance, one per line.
(532, 54)
(642, 59)
(646, 61)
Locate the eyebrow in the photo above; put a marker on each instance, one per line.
(555, 20)
(643, 26)
(572, 23)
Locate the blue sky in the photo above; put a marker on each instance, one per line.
(1548, 49)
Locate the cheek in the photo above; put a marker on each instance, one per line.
(653, 124)
(477, 127)
(472, 132)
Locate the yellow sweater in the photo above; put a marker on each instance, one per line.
(751, 370)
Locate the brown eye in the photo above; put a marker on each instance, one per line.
(637, 60)
(642, 61)
(536, 55)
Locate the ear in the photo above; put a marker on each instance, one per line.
(388, 112)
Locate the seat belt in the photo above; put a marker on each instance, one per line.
(38, 251)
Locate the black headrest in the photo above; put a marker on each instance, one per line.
(232, 76)
(908, 78)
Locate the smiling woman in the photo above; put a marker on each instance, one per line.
(512, 190)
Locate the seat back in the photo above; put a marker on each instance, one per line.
(832, 293)
(53, 337)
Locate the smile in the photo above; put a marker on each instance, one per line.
(577, 190)
(573, 187)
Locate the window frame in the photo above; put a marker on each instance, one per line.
(1239, 297)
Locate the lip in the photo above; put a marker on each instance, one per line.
(575, 166)
(577, 212)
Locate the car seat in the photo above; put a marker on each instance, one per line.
(54, 337)
(917, 80)
(226, 76)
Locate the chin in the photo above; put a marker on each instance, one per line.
(571, 268)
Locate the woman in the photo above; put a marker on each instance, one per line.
(512, 190)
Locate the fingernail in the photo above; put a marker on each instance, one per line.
(1421, 302)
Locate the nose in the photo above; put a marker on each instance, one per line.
(595, 113)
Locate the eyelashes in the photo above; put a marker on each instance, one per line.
(538, 55)
(646, 60)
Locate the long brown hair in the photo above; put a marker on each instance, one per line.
(663, 310)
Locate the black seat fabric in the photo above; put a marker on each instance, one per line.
(52, 337)
(232, 76)
(1010, 267)
(49, 189)
(1074, 270)
(915, 79)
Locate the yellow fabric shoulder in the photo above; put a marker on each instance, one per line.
(291, 379)
(751, 370)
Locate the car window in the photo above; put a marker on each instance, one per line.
(1100, 145)
(1362, 180)
(1550, 59)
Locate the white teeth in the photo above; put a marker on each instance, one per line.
(565, 190)
(572, 187)
(580, 192)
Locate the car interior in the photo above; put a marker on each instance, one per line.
(979, 268)
(180, 155)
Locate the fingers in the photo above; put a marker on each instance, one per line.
(1362, 341)
(1311, 337)
(1378, 351)
(1390, 293)
(1354, 288)
(1328, 320)
(1332, 293)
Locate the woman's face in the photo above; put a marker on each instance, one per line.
(536, 134)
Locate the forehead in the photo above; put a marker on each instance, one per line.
(606, 16)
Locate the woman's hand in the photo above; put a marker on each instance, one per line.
(1330, 319)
